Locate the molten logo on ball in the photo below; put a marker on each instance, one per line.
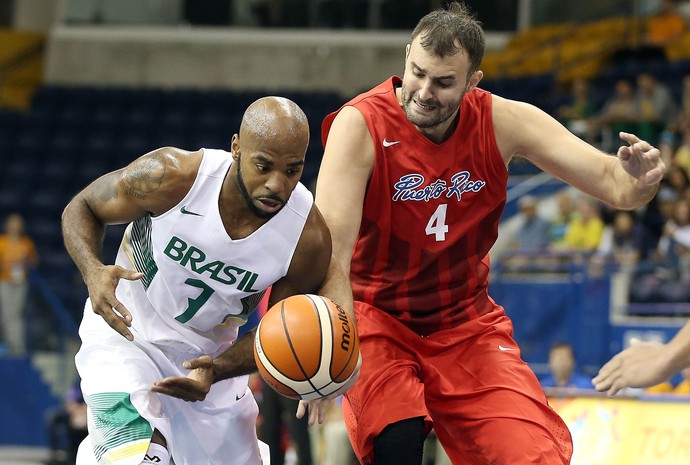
(342, 316)
(306, 347)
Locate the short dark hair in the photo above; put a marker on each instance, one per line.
(447, 31)
(563, 345)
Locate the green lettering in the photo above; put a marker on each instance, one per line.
(232, 277)
(248, 286)
(193, 256)
(213, 268)
(238, 272)
(175, 248)
(245, 278)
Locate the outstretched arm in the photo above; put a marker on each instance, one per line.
(343, 177)
(645, 364)
(150, 185)
(626, 181)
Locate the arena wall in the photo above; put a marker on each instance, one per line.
(226, 58)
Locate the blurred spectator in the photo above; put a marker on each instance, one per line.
(67, 428)
(532, 237)
(674, 245)
(576, 114)
(563, 369)
(653, 219)
(676, 232)
(681, 155)
(665, 277)
(584, 231)
(17, 255)
(665, 26)
(654, 107)
(677, 179)
(683, 119)
(617, 114)
(533, 233)
(334, 446)
(564, 215)
(620, 241)
(674, 139)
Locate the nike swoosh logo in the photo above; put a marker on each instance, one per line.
(184, 211)
(504, 349)
(388, 144)
(238, 397)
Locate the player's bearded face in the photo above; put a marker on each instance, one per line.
(429, 112)
(251, 201)
(433, 86)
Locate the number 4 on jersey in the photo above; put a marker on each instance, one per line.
(437, 223)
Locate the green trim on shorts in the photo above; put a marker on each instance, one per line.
(114, 422)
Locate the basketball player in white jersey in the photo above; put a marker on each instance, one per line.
(209, 231)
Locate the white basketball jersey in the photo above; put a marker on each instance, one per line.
(199, 284)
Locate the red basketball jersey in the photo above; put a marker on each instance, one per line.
(431, 213)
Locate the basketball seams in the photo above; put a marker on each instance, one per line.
(322, 316)
(288, 337)
(266, 365)
(321, 382)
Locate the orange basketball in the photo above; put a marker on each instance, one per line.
(306, 347)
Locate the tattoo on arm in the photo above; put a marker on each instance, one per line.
(144, 176)
(105, 191)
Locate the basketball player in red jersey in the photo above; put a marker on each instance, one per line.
(412, 186)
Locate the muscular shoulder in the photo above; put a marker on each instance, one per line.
(521, 128)
(313, 252)
(351, 117)
(349, 141)
(161, 178)
(316, 237)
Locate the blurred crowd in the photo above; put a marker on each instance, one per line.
(651, 244)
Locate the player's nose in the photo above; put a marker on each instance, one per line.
(425, 91)
(277, 183)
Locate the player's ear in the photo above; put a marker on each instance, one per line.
(235, 147)
(407, 54)
(474, 79)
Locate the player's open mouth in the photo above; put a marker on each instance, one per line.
(423, 106)
(269, 206)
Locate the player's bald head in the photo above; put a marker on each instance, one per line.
(276, 120)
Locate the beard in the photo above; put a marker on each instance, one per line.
(248, 198)
(440, 115)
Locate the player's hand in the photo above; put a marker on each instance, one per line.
(195, 386)
(642, 365)
(102, 284)
(641, 160)
(317, 408)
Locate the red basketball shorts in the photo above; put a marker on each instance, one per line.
(469, 383)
